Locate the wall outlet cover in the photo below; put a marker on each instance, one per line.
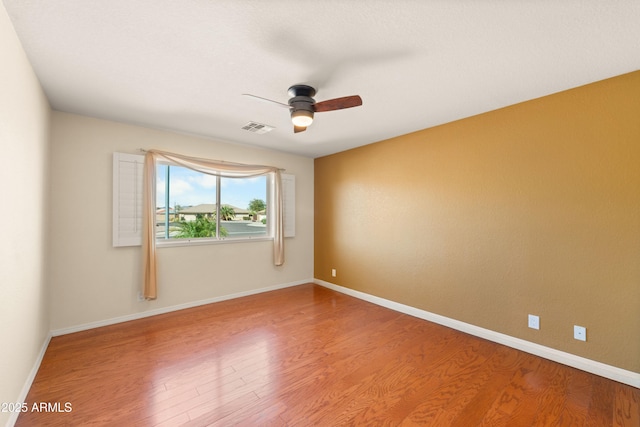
(580, 333)
(534, 321)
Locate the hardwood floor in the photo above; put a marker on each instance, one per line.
(309, 356)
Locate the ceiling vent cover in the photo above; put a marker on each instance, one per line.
(257, 127)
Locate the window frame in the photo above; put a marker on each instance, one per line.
(198, 241)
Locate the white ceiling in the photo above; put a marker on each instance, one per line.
(184, 65)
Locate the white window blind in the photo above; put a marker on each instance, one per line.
(289, 204)
(127, 199)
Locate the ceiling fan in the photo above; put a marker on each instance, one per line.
(302, 105)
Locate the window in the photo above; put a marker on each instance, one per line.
(186, 190)
(193, 205)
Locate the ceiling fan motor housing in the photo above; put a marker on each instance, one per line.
(301, 104)
(302, 98)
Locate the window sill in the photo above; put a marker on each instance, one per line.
(203, 241)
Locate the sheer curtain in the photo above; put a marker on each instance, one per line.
(210, 167)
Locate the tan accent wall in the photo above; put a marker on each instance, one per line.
(533, 208)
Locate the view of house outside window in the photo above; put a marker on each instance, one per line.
(187, 208)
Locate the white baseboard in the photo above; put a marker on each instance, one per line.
(29, 381)
(163, 310)
(588, 365)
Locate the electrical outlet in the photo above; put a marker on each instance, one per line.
(333, 272)
(534, 321)
(140, 296)
(580, 333)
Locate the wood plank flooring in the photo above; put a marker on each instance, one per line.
(307, 356)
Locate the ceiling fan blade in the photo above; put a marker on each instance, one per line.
(267, 100)
(338, 103)
(297, 129)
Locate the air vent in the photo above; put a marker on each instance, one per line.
(257, 127)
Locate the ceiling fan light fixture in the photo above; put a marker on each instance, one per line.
(302, 118)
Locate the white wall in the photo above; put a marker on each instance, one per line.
(24, 136)
(93, 281)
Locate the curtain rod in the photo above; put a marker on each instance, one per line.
(214, 160)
